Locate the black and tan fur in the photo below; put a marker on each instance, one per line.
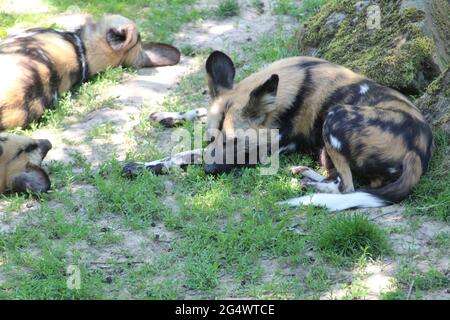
(362, 129)
(20, 164)
(38, 65)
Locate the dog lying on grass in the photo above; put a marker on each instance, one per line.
(357, 127)
(39, 65)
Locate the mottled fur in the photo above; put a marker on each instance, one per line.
(40, 64)
(20, 164)
(357, 127)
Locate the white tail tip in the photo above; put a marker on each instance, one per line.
(337, 202)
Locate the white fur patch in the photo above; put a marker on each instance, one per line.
(364, 88)
(392, 170)
(335, 142)
(337, 202)
(328, 187)
(290, 147)
(313, 175)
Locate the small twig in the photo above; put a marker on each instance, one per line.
(117, 262)
(430, 206)
(410, 290)
(381, 215)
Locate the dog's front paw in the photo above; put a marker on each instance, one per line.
(167, 119)
(132, 169)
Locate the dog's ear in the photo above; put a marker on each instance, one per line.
(33, 180)
(220, 73)
(262, 100)
(121, 38)
(157, 55)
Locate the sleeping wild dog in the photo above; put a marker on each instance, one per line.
(20, 164)
(38, 65)
(357, 128)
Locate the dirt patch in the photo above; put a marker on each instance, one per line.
(230, 33)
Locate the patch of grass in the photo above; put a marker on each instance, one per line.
(102, 131)
(227, 8)
(345, 237)
(258, 5)
(158, 20)
(22, 21)
(432, 195)
(430, 280)
(442, 240)
(301, 10)
(137, 201)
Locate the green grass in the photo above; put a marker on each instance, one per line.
(347, 237)
(301, 11)
(432, 195)
(227, 8)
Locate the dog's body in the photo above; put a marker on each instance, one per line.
(40, 64)
(363, 129)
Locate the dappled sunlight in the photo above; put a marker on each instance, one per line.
(367, 283)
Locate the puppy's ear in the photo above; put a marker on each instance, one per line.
(34, 180)
(220, 73)
(44, 146)
(121, 38)
(262, 100)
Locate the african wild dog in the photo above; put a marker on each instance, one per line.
(358, 127)
(20, 164)
(38, 65)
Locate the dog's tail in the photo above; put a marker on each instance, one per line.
(369, 198)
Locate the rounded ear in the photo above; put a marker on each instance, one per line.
(262, 99)
(157, 55)
(44, 146)
(33, 180)
(120, 38)
(220, 73)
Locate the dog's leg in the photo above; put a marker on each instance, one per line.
(342, 168)
(173, 119)
(179, 160)
(316, 180)
(308, 172)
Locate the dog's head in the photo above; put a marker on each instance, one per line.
(20, 164)
(115, 40)
(237, 113)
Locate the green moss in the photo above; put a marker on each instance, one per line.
(441, 84)
(435, 103)
(441, 12)
(393, 55)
